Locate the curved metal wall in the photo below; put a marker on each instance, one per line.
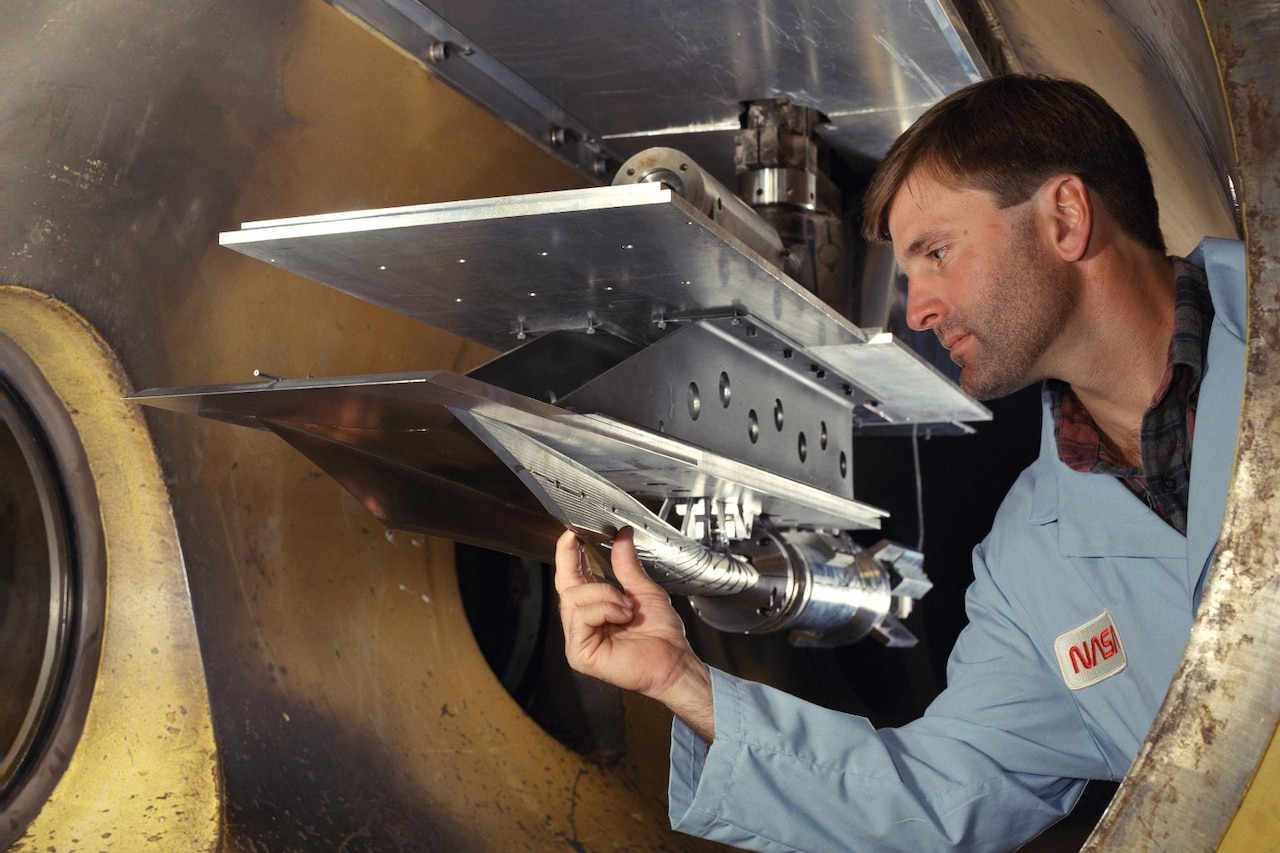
(1155, 64)
(349, 701)
(130, 752)
(1207, 775)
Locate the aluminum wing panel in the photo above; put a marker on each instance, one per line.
(402, 421)
(631, 259)
(907, 388)
(491, 270)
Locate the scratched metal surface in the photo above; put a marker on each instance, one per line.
(1221, 712)
(674, 72)
(350, 704)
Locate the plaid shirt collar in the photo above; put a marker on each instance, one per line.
(1169, 423)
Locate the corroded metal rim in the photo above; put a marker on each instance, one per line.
(133, 735)
(1218, 718)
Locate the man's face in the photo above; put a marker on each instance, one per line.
(982, 280)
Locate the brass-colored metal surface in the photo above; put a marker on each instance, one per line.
(349, 701)
(146, 768)
(1256, 824)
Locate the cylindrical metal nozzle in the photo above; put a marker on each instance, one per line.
(822, 587)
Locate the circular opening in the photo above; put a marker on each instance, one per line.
(695, 401)
(777, 415)
(802, 445)
(38, 592)
(822, 434)
(52, 589)
(506, 600)
(844, 465)
(753, 426)
(725, 391)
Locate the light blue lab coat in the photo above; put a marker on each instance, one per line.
(1004, 751)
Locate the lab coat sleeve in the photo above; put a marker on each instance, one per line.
(1000, 755)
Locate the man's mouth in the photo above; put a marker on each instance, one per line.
(950, 341)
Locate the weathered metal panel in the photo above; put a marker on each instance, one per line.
(1219, 716)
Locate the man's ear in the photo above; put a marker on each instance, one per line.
(1070, 214)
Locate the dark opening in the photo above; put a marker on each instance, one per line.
(38, 592)
(510, 603)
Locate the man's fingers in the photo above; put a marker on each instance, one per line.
(596, 614)
(571, 563)
(572, 569)
(626, 565)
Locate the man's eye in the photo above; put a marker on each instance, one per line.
(938, 253)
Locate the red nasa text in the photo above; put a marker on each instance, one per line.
(1100, 646)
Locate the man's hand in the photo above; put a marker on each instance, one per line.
(631, 638)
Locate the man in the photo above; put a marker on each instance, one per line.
(1022, 212)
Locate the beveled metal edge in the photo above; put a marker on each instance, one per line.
(464, 210)
(1220, 713)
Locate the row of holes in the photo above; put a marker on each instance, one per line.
(753, 421)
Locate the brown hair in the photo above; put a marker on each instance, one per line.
(1010, 134)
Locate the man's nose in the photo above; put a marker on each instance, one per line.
(925, 309)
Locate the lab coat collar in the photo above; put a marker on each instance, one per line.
(1106, 519)
(1218, 412)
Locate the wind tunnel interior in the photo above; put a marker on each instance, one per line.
(367, 686)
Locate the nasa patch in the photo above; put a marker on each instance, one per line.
(1090, 653)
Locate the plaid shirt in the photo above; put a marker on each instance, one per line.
(1169, 423)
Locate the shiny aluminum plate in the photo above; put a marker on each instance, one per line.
(634, 260)
(621, 77)
(625, 259)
